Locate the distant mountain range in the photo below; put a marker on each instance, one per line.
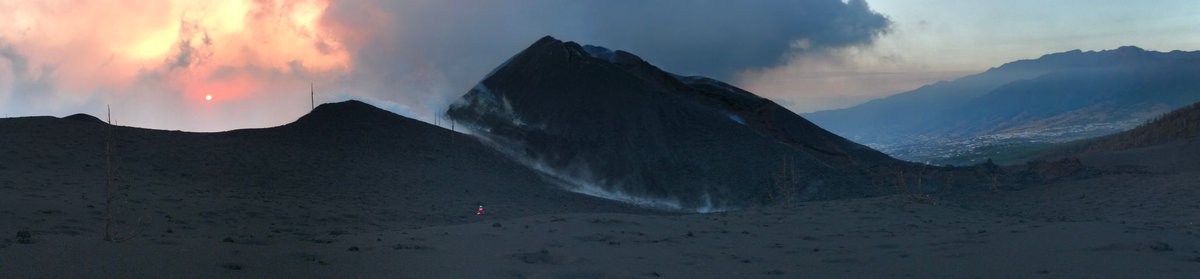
(609, 124)
(1055, 98)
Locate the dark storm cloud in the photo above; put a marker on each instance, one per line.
(718, 38)
(32, 87)
(17, 61)
(187, 54)
(434, 51)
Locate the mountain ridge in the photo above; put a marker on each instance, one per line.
(365, 158)
(1056, 97)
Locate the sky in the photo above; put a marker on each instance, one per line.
(157, 63)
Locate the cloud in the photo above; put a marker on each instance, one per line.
(31, 87)
(436, 50)
(258, 57)
(719, 38)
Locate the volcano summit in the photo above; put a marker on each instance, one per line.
(609, 124)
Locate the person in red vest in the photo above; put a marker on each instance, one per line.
(480, 211)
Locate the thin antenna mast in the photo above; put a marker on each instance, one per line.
(312, 95)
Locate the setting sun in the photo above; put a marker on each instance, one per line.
(208, 97)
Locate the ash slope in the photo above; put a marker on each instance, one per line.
(348, 166)
(615, 126)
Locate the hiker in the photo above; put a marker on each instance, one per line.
(480, 211)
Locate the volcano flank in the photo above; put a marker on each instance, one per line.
(612, 125)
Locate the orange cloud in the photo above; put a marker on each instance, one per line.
(174, 50)
(154, 61)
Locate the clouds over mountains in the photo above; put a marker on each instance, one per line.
(257, 57)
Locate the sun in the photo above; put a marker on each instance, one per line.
(208, 97)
